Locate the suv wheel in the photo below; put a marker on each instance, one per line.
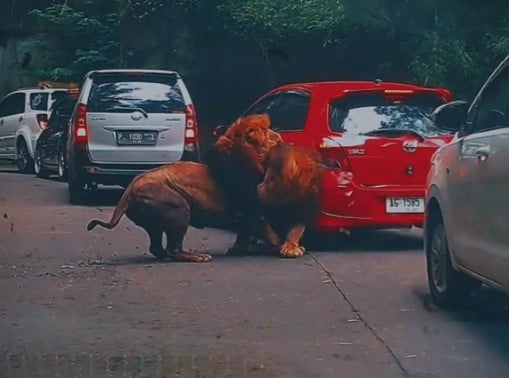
(38, 167)
(78, 194)
(25, 162)
(61, 165)
(448, 287)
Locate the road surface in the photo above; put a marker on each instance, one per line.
(95, 304)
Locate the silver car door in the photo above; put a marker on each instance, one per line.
(486, 237)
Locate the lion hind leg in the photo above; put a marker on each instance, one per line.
(156, 242)
(176, 224)
(291, 247)
(177, 253)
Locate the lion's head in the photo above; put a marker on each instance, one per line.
(293, 174)
(249, 139)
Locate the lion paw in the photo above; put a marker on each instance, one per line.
(186, 256)
(291, 250)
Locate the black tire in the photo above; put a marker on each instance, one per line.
(78, 195)
(23, 159)
(449, 288)
(39, 169)
(62, 171)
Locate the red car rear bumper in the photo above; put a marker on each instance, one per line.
(347, 205)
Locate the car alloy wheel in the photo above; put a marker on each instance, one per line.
(38, 167)
(23, 158)
(61, 164)
(438, 259)
(448, 286)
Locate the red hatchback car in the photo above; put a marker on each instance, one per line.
(377, 138)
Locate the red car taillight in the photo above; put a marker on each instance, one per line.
(334, 155)
(80, 125)
(42, 121)
(191, 133)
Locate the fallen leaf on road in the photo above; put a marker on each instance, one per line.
(6, 215)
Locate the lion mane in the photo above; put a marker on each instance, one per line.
(291, 193)
(170, 198)
(237, 162)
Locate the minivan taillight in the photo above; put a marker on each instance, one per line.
(80, 125)
(42, 121)
(334, 155)
(191, 133)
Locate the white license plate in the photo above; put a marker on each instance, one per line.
(404, 205)
(146, 138)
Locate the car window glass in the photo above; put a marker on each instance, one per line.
(264, 106)
(367, 113)
(39, 101)
(493, 108)
(13, 104)
(290, 112)
(287, 110)
(61, 110)
(154, 93)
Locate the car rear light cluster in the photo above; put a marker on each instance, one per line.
(191, 132)
(80, 125)
(42, 121)
(334, 155)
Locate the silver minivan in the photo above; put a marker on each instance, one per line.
(125, 122)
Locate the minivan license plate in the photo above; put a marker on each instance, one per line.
(404, 205)
(145, 138)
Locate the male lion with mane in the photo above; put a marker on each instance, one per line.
(170, 198)
(291, 193)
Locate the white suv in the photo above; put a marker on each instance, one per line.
(23, 115)
(467, 211)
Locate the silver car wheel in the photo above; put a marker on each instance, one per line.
(37, 162)
(439, 255)
(61, 164)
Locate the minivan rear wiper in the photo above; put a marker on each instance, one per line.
(128, 108)
(395, 132)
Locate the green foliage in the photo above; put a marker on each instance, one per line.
(84, 39)
(452, 43)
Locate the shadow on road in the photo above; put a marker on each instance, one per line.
(105, 196)
(367, 241)
(485, 315)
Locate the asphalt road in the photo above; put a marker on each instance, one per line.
(95, 304)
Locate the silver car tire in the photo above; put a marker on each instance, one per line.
(448, 287)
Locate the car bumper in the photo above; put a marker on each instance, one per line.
(113, 174)
(347, 205)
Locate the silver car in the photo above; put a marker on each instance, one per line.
(126, 122)
(466, 228)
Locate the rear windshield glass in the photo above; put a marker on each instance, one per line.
(154, 93)
(39, 101)
(63, 103)
(373, 113)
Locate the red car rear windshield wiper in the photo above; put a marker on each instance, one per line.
(395, 132)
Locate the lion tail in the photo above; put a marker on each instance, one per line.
(118, 213)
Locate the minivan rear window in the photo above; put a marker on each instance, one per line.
(154, 93)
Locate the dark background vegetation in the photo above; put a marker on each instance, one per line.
(229, 52)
